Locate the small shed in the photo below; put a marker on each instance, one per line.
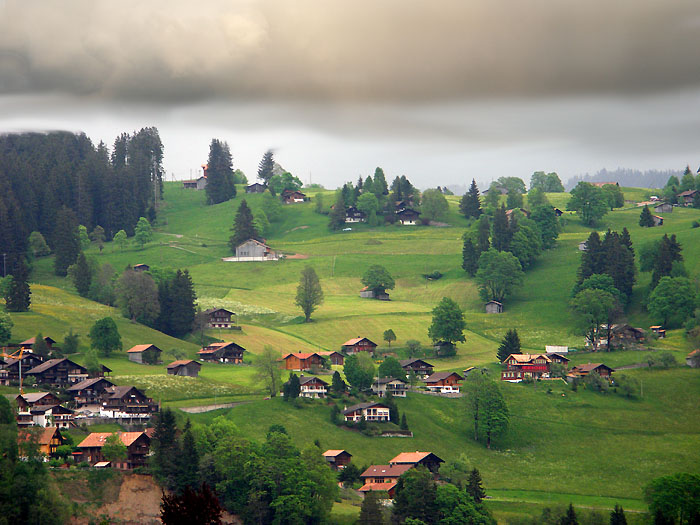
(659, 331)
(185, 367)
(582, 246)
(664, 207)
(144, 354)
(140, 267)
(494, 307)
(693, 359)
(658, 221)
(256, 187)
(337, 459)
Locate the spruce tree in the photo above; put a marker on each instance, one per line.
(66, 243)
(404, 423)
(243, 226)
(82, 276)
(380, 186)
(470, 256)
(483, 234)
(474, 486)
(570, 517)
(592, 259)
(337, 384)
(501, 234)
(166, 450)
(220, 186)
(617, 516)
(646, 220)
(266, 167)
(371, 510)
(188, 468)
(294, 388)
(336, 218)
(40, 347)
(470, 204)
(18, 293)
(509, 345)
(669, 251)
(626, 239)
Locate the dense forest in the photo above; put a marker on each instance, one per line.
(42, 172)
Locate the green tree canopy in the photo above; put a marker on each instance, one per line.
(646, 219)
(114, 448)
(470, 204)
(66, 243)
(509, 345)
(336, 217)
(220, 183)
(674, 298)
(592, 308)
(243, 226)
(589, 202)
(389, 336)
(359, 370)
(674, 498)
(546, 182)
(416, 497)
(37, 245)
(6, 325)
(268, 370)
(104, 336)
(448, 322)
(433, 205)
(391, 367)
(309, 292)
(120, 239)
(143, 232)
(378, 279)
(614, 196)
(498, 275)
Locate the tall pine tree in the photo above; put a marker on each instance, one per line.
(66, 244)
(336, 218)
(18, 294)
(380, 186)
(483, 233)
(82, 276)
(669, 251)
(501, 234)
(646, 220)
(617, 516)
(470, 256)
(220, 186)
(243, 226)
(266, 168)
(509, 345)
(470, 204)
(474, 486)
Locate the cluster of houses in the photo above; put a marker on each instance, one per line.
(520, 367)
(383, 478)
(405, 215)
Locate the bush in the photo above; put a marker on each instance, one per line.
(696, 224)
(434, 276)
(596, 383)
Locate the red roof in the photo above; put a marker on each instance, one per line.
(299, 355)
(97, 439)
(140, 348)
(43, 437)
(410, 457)
(385, 471)
(377, 487)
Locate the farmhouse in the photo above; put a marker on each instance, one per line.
(415, 459)
(658, 221)
(558, 358)
(366, 293)
(185, 367)
(418, 366)
(89, 392)
(444, 382)
(584, 370)
(494, 307)
(219, 318)
(31, 399)
(382, 478)
(368, 411)
(312, 387)
(196, 184)
(335, 358)
(253, 250)
(352, 214)
(686, 197)
(137, 448)
(664, 207)
(302, 361)
(58, 372)
(28, 345)
(55, 415)
(624, 335)
(659, 331)
(358, 344)
(227, 352)
(521, 366)
(140, 267)
(292, 197)
(384, 385)
(28, 361)
(408, 217)
(256, 187)
(337, 459)
(693, 359)
(126, 402)
(144, 354)
(48, 439)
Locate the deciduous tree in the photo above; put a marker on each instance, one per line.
(37, 245)
(114, 449)
(6, 325)
(391, 367)
(378, 279)
(268, 370)
(143, 233)
(120, 239)
(448, 322)
(104, 336)
(498, 275)
(589, 202)
(433, 205)
(309, 292)
(389, 336)
(673, 298)
(137, 297)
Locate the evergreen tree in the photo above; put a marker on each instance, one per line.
(626, 239)
(617, 516)
(293, 388)
(483, 233)
(220, 186)
(82, 275)
(415, 497)
(337, 384)
(65, 240)
(548, 223)
(336, 218)
(592, 259)
(177, 304)
(509, 345)
(40, 347)
(6, 325)
(404, 423)
(371, 510)
(570, 517)
(380, 185)
(18, 293)
(266, 168)
(668, 252)
(243, 226)
(470, 204)
(645, 218)
(619, 263)
(309, 292)
(188, 469)
(474, 486)
(192, 506)
(166, 450)
(470, 256)
(501, 234)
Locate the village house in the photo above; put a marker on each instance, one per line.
(337, 459)
(658, 221)
(47, 439)
(312, 387)
(382, 478)
(366, 293)
(421, 368)
(693, 359)
(4, 376)
(28, 400)
(521, 366)
(12, 366)
(580, 371)
(58, 372)
(126, 402)
(622, 335)
(184, 367)
(664, 207)
(335, 358)
(302, 361)
(144, 354)
(253, 250)
(219, 318)
(408, 217)
(494, 307)
(256, 187)
(137, 448)
(89, 393)
(659, 331)
(444, 382)
(195, 184)
(384, 385)
(357, 345)
(686, 197)
(416, 459)
(226, 352)
(292, 197)
(368, 411)
(141, 267)
(56, 415)
(558, 358)
(28, 345)
(352, 214)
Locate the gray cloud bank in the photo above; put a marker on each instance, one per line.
(409, 50)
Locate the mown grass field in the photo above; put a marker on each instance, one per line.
(563, 446)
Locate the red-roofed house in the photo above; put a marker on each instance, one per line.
(28, 345)
(148, 354)
(358, 344)
(382, 478)
(302, 361)
(227, 352)
(137, 448)
(520, 366)
(47, 439)
(444, 382)
(336, 358)
(184, 367)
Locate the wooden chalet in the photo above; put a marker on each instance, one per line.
(126, 402)
(663, 207)
(367, 293)
(493, 307)
(184, 367)
(226, 352)
(144, 354)
(56, 415)
(219, 318)
(686, 197)
(336, 358)
(337, 459)
(47, 439)
(658, 220)
(521, 366)
(623, 335)
(444, 382)
(141, 267)
(256, 187)
(382, 478)
(89, 392)
(693, 359)
(418, 366)
(137, 448)
(58, 372)
(31, 399)
(254, 250)
(583, 370)
(12, 366)
(357, 345)
(292, 197)
(558, 358)
(302, 361)
(408, 217)
(368, 411)
(312, 387)
(28, 345)
(416, 459)
(352, 214)
(4, 376)
(659, 331)
(384, 385)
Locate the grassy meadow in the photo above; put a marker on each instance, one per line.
(589, 448)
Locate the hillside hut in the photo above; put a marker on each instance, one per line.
(144, 354)
(494, 307)
(186, 367)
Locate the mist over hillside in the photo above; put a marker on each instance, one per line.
(627, 177)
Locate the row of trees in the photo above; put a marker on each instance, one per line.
(674, 186)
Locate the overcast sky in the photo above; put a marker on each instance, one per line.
(439, 91)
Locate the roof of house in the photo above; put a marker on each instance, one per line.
(32, 340)
(589, 367)
(377, 487)
(87, 384)
(495, 302)
(46, 365)
(120, 391)
(333, 453)
(408, 362)
(694, 353)
(299, 355)
(311, 379)
(38, 409)
(384, 380)
(43, 436)
(351, 342)
(687, 193)
(254, 241)
(182, 362)
(362, 406)
(97, 439)
(387, 471)
(408, 211)
(558, 355)
(212, 310)
(412, 457)
(141, 348)
(215, 347)
(526, 358)
(33, 397)
(329, 353)
(439, 376)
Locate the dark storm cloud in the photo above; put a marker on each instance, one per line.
(409, 50)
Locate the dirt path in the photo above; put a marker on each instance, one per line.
(209, 408)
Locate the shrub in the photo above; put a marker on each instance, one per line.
(696, 224)
(434, 276)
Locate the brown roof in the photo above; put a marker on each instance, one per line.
(410, 457)
(299, 355)
(439, 376)
(387, 471)
(693, 353)
(140, 348)
(87, 383)
(333, 453)
(215, 347)
(329, 353)
(310, 379)
(377, 487)
(97, 439)
(526, 358)
(356, 340)
(33, 397)
(407, 362)
(32, 340)
(363, 406)
(44, 436)
(120, 391)
(589, 367)
(182, 362)
(43, 367)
